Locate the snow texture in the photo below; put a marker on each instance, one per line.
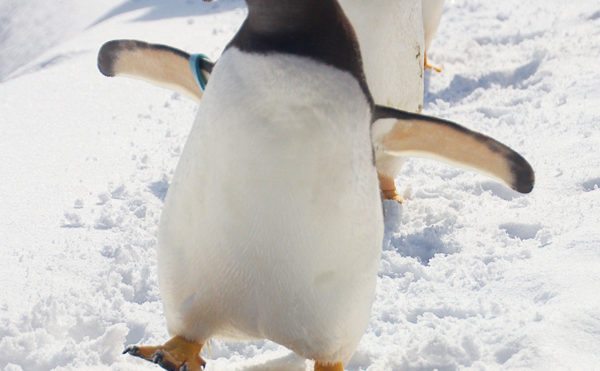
(473, 275)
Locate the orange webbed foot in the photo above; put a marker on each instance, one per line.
(392, 195)
(177, 354)
(388, 188)
(321, 366)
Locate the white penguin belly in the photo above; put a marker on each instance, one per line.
(272, 226)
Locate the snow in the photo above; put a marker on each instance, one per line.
(473, 275)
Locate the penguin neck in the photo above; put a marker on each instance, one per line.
(316, 29)
(274, 17)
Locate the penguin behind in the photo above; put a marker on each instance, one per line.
(390, 34)
(272, 226)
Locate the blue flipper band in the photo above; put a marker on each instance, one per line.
(195, 66)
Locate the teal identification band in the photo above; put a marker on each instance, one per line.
(195, 66)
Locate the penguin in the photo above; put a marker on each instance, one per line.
(272, 225)
(390, 35)
(394, 36)
(432, 15)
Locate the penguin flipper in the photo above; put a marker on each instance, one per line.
(415, 134)
(159, 64)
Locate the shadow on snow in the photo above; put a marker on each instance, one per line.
(161, 9)
(461, 86)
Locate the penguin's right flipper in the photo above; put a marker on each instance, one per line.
(414, 134)
(160, 64)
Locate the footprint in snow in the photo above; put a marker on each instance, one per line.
(72, 220)
(520, 230)
(591, 185)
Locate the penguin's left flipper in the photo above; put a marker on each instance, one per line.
(413, 134)
(159, 64)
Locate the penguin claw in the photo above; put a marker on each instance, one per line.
(432, 67)
(158, 357)
(132, 349)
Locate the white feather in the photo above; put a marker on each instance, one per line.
(390, 34)
(272, 226)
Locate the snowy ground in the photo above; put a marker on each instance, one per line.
(472, 276)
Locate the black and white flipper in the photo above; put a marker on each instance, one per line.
(403, 133)
(159, 64)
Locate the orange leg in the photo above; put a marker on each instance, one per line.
(177, 354)
(388, 188)
(329, 366)
(427, 65)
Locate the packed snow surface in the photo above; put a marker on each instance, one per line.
(473, 275)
